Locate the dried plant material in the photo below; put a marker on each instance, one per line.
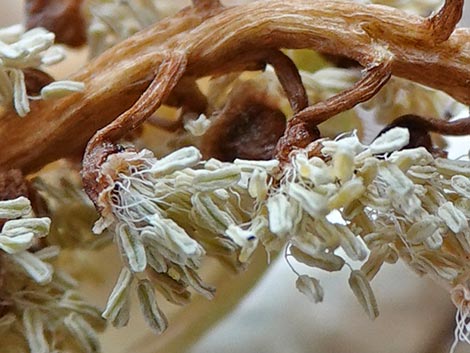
(168, 234)
(64, 18)
(363, 292)
(167, 214)
(250, 125)
(310, 287)
(118, 305)
(148, 303)
(325, 261)
(407, 27)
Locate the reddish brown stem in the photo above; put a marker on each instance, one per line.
(169, 73)
(443, 23)
(362, 91)
(117, 78)
(289, 77)
(460, 127)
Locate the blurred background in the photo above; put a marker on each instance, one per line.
(416, 315)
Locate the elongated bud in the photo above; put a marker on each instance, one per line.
(363, 292)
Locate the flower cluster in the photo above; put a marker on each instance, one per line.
(169, 213)
(20, 50)
(40, 310)
(338, 202)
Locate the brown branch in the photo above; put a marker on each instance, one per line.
(460, 127)
(361, 91)
(115, 80)
(170, 71)
(443, 23)
(289, 78)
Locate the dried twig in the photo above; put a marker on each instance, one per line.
(222, 44)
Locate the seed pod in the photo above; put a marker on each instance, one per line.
(258, 185)
(280, 215)
(197, 284)
(20, 96)
(343, 164)
(39, 227)
(435, 241)
(208, 215)
(180, 159)
(397, 181)
(323, 260)
(363, 292)
(148, 304)
(310, 287)
(117, 306)
(13, 245)
(350, 191)
(451, 167)
(404, 159)
(375, 261)
(352, 245)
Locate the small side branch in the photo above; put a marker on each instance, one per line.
(101, 145)
(289, 77)
(169, 73)
(460, 127)
(443, 23)
(362, 91)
